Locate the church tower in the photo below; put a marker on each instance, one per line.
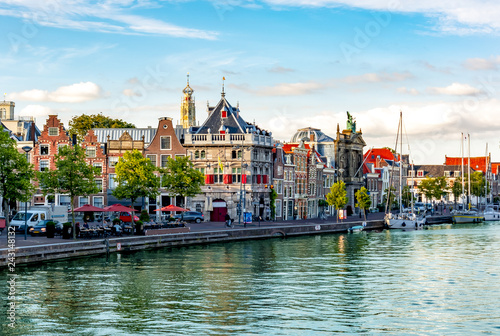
(188, 110)
(7, 109)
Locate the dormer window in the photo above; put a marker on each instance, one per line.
(224, 112)
(420, 173)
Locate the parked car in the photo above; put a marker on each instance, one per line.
(2, 223)
(127, 218)
(191, 216)
(41, 228)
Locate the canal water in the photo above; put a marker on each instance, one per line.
(441, 281)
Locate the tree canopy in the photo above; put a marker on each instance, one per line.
(337, 196)
(135, 176)
(15, 174)
(434, 187)
(180, 178)
(363, 199)
(80, 125)
(73, 176)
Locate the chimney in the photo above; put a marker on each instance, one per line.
(311, 136)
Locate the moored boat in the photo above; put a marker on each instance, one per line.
(462, 217)
(490, 214)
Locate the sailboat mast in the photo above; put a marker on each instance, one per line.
(468, 170)
(463, 177)
(401, 161)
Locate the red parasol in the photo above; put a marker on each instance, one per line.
(172, 208)
(119, 208)
(88, 207)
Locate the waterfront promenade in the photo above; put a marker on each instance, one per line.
(204, 226)
(40, 249)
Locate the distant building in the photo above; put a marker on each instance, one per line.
(22, 129)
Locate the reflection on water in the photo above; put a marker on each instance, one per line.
(444, 280)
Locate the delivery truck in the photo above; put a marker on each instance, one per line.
(36, 214)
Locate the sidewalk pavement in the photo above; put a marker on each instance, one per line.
(204, 226)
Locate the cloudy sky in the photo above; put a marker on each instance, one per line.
(289, 64)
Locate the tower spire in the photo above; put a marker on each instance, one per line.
(223, 93)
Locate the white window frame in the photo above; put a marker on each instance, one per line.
(169, 142)
(90, 149)
(46, 165)
(149, 156)
(97, 184)
(111, 179)
(48, 149)
(278, 208)
(161, 159)
(112, 161)
(98, 164)
(52, 129)
(82, 199)
(94, 201)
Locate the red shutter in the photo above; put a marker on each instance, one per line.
(207, 179)
(212, 179)
(227, 179)
(244, 179)
(259, 179)
(264, 179)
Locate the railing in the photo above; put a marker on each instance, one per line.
(230, 139)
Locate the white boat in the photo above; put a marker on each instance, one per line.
(491, 214)
(404, 221)
(467, 216)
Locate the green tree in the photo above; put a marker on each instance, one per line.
(80, 125)
(135, 178)
(477, 185)
(73, 176)
(15, 174)
(272, 196)
(389, 198)
(337, 196)
(456, 189)
(363, 199)
(181, 179)
(440, 187)
(427, 186)
(406, 196)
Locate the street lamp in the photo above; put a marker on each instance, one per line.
(241, 204)
(26, 149)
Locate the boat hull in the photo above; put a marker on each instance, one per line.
(491, 216)
(398, 223)
(463, 219)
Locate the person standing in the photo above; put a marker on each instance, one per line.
(228, 220)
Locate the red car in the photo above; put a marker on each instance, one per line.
(126, 217)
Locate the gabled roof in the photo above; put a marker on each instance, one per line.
(476, 163)
(384, 154)
(232, 124)
(495, 166)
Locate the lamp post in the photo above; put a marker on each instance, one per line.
(26, 149)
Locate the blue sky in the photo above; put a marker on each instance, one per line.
(289, 64)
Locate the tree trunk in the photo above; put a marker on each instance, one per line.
(73, 216)
(364, 213)
(6, 214)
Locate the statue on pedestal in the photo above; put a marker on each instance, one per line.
(351, 123)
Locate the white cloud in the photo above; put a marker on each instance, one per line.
(36, 111)
(131, 93)
(378, 77)
(431, 130)
(482, 63)
(404, 90)
(455, 89)
(280, 69)
(104, 17)
(75, 93)
(451, 16)
(290, 89)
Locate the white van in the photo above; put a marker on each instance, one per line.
(36, 214)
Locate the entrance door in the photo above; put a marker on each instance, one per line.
(219, 211)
